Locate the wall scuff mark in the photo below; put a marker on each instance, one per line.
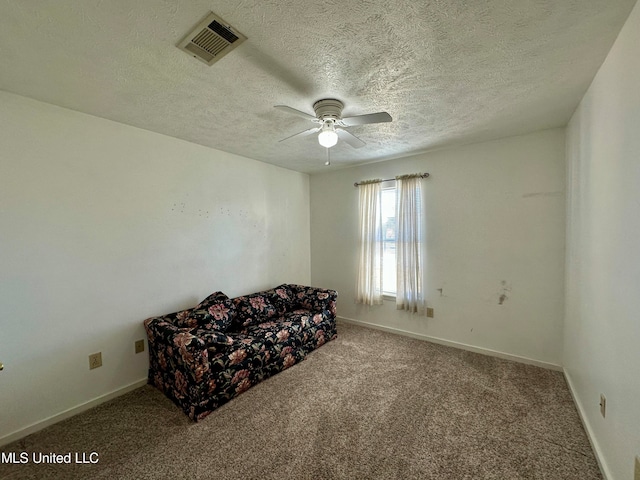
(543, 194)
(506, 288)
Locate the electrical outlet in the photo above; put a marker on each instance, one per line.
(603, 405)
(429, 312)
(636, 474)
(95, 360)
(139, 345)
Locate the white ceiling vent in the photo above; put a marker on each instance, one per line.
(211, 40)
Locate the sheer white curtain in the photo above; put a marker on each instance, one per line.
(369, 284)
(409, 244)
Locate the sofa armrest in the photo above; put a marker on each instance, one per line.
(177, 348)
(314, 298)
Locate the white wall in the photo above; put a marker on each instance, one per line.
(495, 212)
(103, 225)
(602, 331)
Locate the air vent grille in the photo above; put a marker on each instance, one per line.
(211, 40)
(225, 33)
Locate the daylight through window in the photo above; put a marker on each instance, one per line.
(389, 240)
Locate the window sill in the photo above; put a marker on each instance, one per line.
(391, 298)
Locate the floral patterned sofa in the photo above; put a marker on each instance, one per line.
(203, 357)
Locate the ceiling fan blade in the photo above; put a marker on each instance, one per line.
(284, 108)
(350, 138)
(302, 134)
(379, 117)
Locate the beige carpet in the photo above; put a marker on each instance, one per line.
(367, 405)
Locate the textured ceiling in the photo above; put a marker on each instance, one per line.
(448, 71)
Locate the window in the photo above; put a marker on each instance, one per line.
(389, 275)
(391, 243)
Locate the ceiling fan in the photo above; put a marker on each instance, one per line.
(332, 125)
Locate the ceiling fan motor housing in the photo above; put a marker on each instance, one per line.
(328, 108)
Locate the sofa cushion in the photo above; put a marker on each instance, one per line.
(305, 317)
(312, 298)
(282, 299)
(218, 316)
(214, 312)
(276, 332)
(253, 309)
(184, 319)
(213, 339)
(244, 351)
(211, 299)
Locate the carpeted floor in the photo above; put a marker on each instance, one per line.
(369, 405)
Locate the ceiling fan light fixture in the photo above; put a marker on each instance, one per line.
(332, 124)
(328, 136)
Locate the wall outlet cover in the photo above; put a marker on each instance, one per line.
(603, 405)
(429, 312)
(95, 360)
(139, 346)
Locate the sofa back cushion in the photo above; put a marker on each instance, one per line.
(219, 315)
(282, 299)
(313, 298)
(253, 309)
(210, 300)
(214, 312)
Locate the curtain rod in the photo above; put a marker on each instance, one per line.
(421, 175)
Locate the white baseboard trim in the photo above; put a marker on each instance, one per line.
(34, 427)
(587, 428)
(462, 346)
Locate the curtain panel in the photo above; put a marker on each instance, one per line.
(409, 244)
(369, 282)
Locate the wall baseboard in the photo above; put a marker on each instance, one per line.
(34, 427)
(587, 428)
(462, 346)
